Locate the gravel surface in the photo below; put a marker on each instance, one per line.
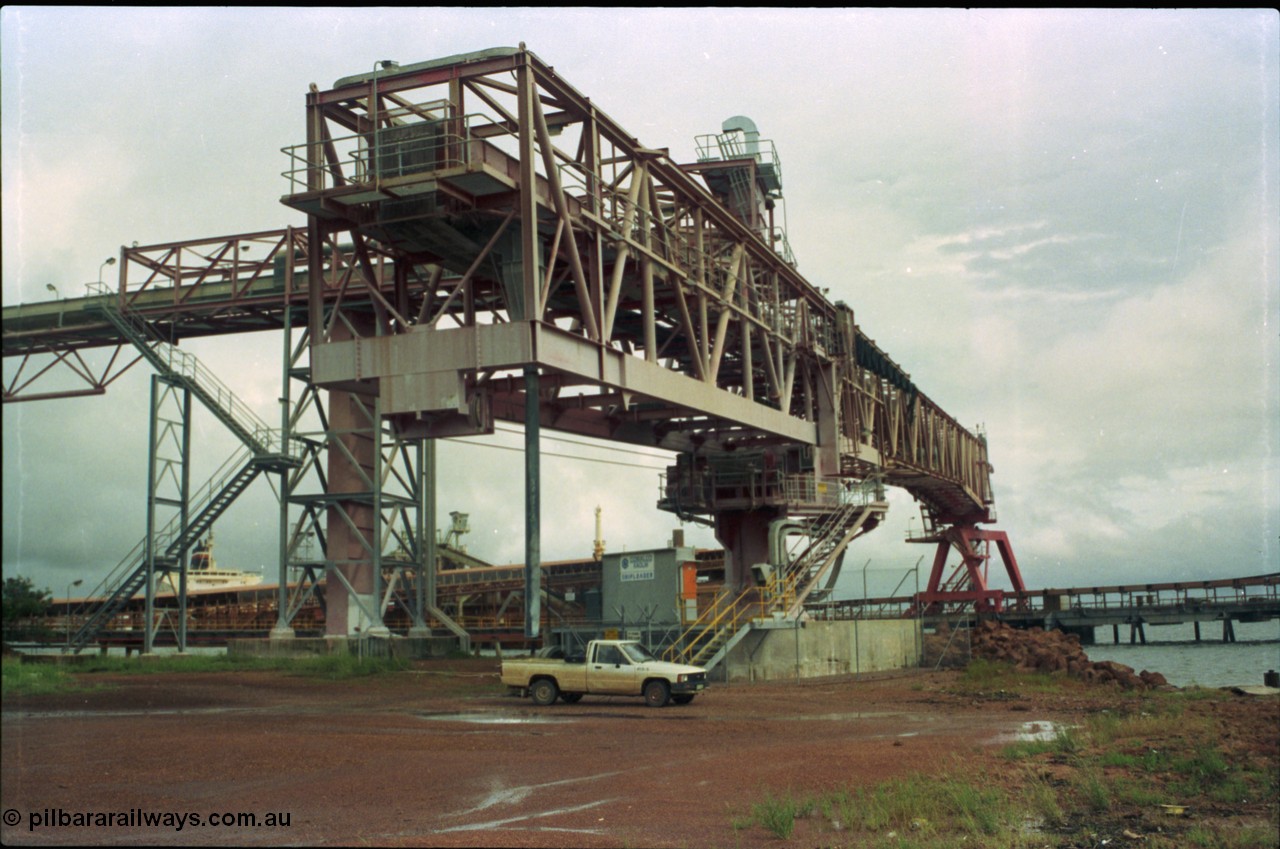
(441, 756)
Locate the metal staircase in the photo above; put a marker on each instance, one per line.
(829, 538)
(263, 449)
(129, 576)
(183, 369)
(728, 619)
(708, 637)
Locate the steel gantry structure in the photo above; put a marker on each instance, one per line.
(484, 243)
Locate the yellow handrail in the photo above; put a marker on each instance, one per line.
(718, 619)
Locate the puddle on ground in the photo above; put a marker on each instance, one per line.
(108, 714)
(1039, 731)
(835, 717)
(494, 718)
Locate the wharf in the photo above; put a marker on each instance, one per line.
(216, 616)
(1081, 610)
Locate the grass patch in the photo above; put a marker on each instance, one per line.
(1065, 742)
(1094, 790)
(1214, 837)
(34, 679)
(329, 666)
(1110, 727)
(1150, 760)
(166, 664)
(1042, 800)
(994, 676)
(925, 810)
(1086, 787)
(1138, 793)
(776, 814)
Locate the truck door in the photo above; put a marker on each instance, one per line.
(611, 672)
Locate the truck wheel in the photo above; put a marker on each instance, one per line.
(571, 698)
(682, 699)
(657, 693)
(544, 691)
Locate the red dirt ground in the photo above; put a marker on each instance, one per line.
(441, 756)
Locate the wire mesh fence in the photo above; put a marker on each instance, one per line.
(948, 644)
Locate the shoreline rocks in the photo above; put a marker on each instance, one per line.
(1038, 650)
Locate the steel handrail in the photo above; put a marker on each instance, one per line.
(354, 169)
(168, 532)
(268, 440)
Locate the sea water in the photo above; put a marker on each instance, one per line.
(1172, 651)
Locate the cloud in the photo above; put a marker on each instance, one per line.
(1148, 419)
(1061, 223)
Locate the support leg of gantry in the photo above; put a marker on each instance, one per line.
(968, 580)
(532, 508)
(350, 588)
(745, 537)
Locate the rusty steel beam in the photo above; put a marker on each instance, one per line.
(475, 222)
(625, 272)
(675, 278)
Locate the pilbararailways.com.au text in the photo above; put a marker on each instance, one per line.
(143, 818)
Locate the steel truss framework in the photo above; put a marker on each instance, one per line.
(387, 510)
(168, 492)
(485, 243)
(548, 268)
(172, 291)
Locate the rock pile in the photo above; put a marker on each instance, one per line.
(1037, 650)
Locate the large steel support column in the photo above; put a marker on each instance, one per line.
(745, 537)
(167, 434)
(351, 605)
(425, 532)
(530, 309)
(184, 520)
(532, 508)
(283, 630)
(376, 627)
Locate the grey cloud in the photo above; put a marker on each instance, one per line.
(1038, 298)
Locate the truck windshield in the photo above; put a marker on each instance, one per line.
(637, 652)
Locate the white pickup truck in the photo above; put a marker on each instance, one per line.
(608, 668)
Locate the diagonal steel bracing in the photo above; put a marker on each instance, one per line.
(476, 219)
(596, 281)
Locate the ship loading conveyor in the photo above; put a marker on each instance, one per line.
(484, 243)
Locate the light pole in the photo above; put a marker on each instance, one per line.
(70, 586)
(108, 261)
(386, 65)
(57, 296)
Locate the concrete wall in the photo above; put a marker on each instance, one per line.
(818, 649)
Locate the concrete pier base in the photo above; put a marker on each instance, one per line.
(818, 649)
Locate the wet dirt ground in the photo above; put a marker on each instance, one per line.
(442, 756)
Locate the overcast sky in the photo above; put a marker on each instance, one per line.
(1062, 224)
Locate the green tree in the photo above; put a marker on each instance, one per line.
(24, 609)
